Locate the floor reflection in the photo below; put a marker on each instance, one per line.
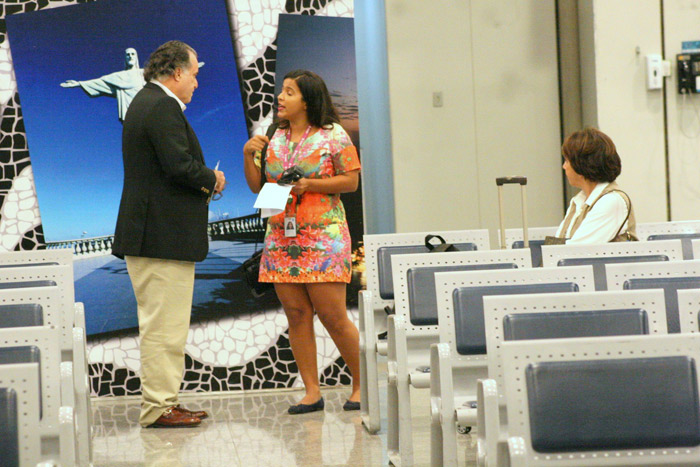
(246, 430)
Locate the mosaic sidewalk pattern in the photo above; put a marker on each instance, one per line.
(215, 360)
(274, 369)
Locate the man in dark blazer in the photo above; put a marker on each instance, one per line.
(162, 225)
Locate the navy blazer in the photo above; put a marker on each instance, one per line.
(163, 211)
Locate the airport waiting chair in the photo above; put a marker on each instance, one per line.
(685, 238)
(41, 344)
(609, 253)
(689, 310)
(695, 245)
(624, 401)
(551, 316)
(53, 257)
(669, 276)
(686, 231)
(460, 359)
(416, 307)
(379, 294)
(39, 306)
(20, 443)
(48, 276)
(536, 236)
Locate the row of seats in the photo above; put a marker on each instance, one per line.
(45, 414)
(451, 358)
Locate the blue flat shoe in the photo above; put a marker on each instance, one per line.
(306, 408)
(351, 405)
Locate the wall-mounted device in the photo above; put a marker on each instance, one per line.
(688, 66)
(655, 72)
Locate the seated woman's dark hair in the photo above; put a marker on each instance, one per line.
(319, 107)
(592, 154)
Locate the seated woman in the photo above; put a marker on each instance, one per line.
(600, 212)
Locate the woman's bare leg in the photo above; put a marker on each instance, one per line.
(300, 315)
(328, 299)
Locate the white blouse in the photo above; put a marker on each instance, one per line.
(602, 222)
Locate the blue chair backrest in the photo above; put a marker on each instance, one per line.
(25, 284)
(20, 315)
(9, 430)
(598, 262)
(671, 285)
(422, 300)
(535, 250)
(468, 303)
(560, 324)
(628, 403)
(23, 354)
(384, 270)
(686, 241)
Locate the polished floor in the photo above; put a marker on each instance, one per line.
(254, 429)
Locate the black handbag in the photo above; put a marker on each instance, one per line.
(251, 273)
(441, 247)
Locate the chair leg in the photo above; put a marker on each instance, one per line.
(369, 378)
(399, 432)
(441, 376)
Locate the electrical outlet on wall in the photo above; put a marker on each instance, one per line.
(437, 99)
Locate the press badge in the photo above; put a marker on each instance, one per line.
(290, 226)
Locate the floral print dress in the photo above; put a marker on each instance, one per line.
(321, 250)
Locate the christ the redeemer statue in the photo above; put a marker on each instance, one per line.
(121, 84)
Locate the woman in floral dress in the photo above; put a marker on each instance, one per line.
(307, 248)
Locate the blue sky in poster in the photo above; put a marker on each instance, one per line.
(75, 141)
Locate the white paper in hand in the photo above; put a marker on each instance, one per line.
(272, 199)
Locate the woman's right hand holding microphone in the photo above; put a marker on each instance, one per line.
(254, 144)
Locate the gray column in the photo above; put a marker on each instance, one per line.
(375, 128)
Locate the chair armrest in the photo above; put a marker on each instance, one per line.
(517, 452)
(66, 429)
(397, 351)
(488, 421)
(441, 385)
(79, 315)
(67, 387)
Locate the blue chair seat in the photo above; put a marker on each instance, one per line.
(384, 270)
(421, 289)
(599, 262)
(561, 325)
(9, 430)
(613, 404)
(25, 284)
(20, 315)
(468, 305)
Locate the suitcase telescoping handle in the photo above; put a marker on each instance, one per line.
(522, 181)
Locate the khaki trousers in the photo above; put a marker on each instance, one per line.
(163, 290)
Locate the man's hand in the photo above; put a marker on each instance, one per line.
(220, 181)
(71, 83)
(256, 143)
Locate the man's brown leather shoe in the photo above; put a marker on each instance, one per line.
(172, 418)
(201, 414)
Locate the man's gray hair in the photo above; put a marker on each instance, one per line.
(166, 59)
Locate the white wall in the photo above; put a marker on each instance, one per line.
(681, 21)
(496, 64)
(615, 98)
